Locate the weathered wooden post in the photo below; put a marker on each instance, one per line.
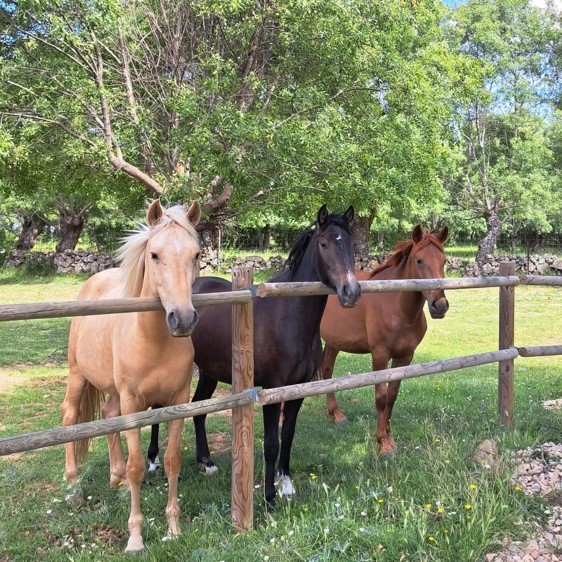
(243, 417)
(506, 336)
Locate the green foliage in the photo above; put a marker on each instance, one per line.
(409, 111)
(506, 165)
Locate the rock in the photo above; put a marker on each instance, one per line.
(486, 454)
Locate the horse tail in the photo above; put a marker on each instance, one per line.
(90, 407)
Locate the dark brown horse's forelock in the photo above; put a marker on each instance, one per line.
(299, 247)
(403, 249)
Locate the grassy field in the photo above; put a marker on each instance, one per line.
(427, 503)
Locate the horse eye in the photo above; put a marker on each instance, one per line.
(153, 256)
(197, 255)
(419, 262)
(323, 244)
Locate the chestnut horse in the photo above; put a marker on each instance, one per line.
(389, 326)
(287, 346)
(141, 358)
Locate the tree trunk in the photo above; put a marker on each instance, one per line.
(361, 229)
(32, 225)
(71, 225)
(488, 244)
(266, 238)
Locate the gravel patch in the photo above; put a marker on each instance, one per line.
(538, 472)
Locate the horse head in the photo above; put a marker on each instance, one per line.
(171, 263)
(427, 261)
(335, 261)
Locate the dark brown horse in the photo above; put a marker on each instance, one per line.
(389, 326)
(287, 346)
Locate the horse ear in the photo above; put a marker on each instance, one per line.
(322, 215)
(443, 234)
(194, 213)
(417, 233)
(349, 214)
(154, 213)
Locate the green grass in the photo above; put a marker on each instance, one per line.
(351, 504)
(463, 251)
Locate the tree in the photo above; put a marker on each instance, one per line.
(287, 104)
(504, 175)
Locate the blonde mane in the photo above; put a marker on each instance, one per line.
(403, 249)
(131, 254)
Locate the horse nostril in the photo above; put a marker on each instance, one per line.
(172, 320)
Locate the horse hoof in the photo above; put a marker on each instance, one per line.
(338, 416)
(134, 547)
(75, 497)
(118, 482)
(285, 486)
(153, 465)
(388, 453)
(208, 466)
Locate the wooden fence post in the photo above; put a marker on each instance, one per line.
(243, 417)
(506, 339)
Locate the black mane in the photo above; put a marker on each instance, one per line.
(300, 246)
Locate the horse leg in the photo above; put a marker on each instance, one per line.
(135, 474)
(70, 410)
(117, 469)
(172, 466)
(327, 370)
(271, 448)
(284, 483)
(152, 453)
(386, 446)
(205, 388)
(392, 394)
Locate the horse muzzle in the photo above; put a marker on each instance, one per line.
(349, 293)
(181, 323)
(438, 308)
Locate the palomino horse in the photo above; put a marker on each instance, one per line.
(287, 346)
(388, 326)
(137, 359)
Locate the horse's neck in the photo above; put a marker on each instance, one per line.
(411, 302)
(310, 308)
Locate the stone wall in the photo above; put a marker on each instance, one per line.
(69, 261)
(81, 261)
(536, 265)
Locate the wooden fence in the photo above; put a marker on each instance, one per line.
(244, 396)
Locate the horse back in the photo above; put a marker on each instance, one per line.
(276, 335)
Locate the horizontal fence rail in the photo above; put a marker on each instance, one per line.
(88, 430)
(284, 393)
(28, 311)
(544, 280)
(61, 309)
(387, 286)
(97, 428)
(540, 350)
